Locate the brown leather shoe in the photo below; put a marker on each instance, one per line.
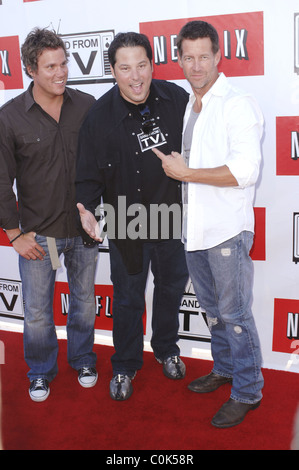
(208, 383)
(232, 413)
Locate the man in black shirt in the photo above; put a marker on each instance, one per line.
(38, 146)
(116, 163)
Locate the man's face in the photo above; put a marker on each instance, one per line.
(199, 64)
(133, 73)
(52, 73)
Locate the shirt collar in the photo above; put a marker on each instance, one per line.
(218, 89)
(30, 102)
(158, 92)
(123, 109)
(220, 86)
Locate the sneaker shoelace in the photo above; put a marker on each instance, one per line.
(86, 371)
(40, 383)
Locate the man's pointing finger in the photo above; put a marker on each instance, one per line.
(159, 154)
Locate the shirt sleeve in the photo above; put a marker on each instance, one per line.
(9, 216)
(245, 129)
(89, 178)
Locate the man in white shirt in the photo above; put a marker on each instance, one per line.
(219, 168)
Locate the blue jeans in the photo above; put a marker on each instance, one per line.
(223, 281)
(38, 281)
(168, 265)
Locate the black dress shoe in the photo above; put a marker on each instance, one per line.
(121, 387)
(173, 367)
(208, 383)
(232, 413)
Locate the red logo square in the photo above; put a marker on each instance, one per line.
(241, 37)
(11, 77)
(258, 251)
(287, 146)
(286, 325)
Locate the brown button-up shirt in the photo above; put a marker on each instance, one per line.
(40, 155)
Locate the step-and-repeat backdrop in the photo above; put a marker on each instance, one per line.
(260, 53)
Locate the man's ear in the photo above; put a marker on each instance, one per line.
(112, 71)
(30, 71)
(217, 57)
(180, 60)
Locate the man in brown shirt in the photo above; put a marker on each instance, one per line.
(38, 146)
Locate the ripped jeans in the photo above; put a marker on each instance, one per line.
(223, 281)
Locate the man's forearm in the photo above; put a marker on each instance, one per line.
(220, 176)
(176, 168)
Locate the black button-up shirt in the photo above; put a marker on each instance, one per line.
(41, 155)
(115, 160)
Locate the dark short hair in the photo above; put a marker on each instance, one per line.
(36, 42)
(198, 29)
(130, 39)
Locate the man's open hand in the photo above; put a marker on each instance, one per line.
(89, 223)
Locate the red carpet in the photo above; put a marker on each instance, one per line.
(161, 414)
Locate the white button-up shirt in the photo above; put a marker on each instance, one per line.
(228, 132)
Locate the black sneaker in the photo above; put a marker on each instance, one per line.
(87, 377)
(39, 389)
